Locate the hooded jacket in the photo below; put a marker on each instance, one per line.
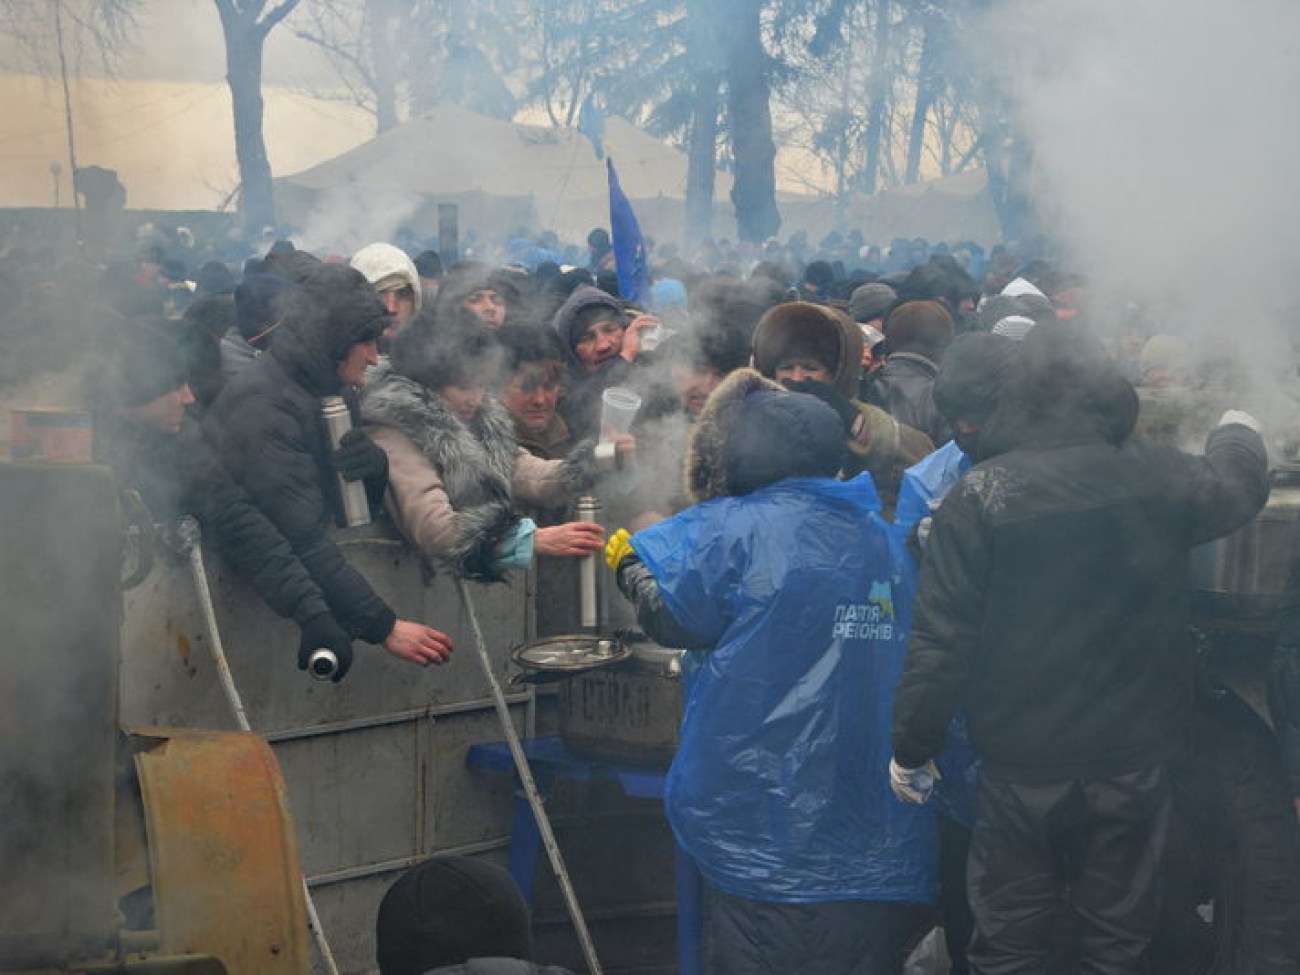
(266, 427)
(387, 267)
(886, 447)
(1053, 606)
(793, 599)
(580, 405)
(452, 486)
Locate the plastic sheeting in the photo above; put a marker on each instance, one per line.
(925, 484)
(801, 594)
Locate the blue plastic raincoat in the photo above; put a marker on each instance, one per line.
(780, 787)
(925, 484)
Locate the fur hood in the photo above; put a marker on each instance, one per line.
(475, 461)
(821, 329)
(706, 466)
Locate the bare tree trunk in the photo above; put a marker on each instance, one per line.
(926, 88)
(749, 100)
(706, 102)
(380, 23)
(245, 36)
(879, 98)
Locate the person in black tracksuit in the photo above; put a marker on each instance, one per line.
(1053, 609)
(267, 428)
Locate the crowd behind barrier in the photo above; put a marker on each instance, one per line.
(801, 411)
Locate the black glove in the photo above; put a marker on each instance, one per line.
(829, 395)
(358, 458)
(323, 633)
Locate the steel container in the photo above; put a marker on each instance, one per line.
(626, 713)
(1248, 573)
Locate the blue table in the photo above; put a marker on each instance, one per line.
(550, 759)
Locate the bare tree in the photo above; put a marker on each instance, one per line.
(93, 33)
(703, 45)
(749, 68)
(366, 45)
(245, 24)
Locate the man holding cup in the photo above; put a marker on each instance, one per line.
(601, 342)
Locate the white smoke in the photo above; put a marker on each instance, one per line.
(347, 217)
(1164, 157)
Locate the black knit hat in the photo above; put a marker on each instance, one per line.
(779, 434)
(448, 910)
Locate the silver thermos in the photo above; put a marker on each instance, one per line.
(588, 509)
(338, 421)
(322, 663)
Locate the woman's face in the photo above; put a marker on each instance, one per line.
(489, 306)
(464, 401)
(533, 393)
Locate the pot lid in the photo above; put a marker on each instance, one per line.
(571, 654)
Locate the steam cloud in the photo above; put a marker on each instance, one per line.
(1164, 161)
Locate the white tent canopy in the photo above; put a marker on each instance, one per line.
(504, 175)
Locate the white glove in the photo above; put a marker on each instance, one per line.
(913, 784)
(1239, 416)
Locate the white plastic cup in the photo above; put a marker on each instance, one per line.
(619, 406)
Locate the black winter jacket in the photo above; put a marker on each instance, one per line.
(267, 428)
(1053, 603)
(179, 475)
(904, 388)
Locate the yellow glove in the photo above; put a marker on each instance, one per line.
(618, 548)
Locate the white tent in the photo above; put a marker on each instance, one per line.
(503, 175)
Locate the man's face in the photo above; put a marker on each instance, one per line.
(694, 384)
(352, 370)
(400, 305)
(532, 394)
(601, 342)
(489, 306)
(162, 414)
(798, 368)
(463, 401)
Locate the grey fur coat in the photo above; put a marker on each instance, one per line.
(452, 485)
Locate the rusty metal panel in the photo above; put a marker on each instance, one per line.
(168, 678)
(226, 875)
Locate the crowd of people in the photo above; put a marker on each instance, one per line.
(917, 524)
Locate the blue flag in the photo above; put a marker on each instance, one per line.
(591, 123)
(629, 248)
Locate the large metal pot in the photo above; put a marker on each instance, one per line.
(1247, 574)
(629, 712)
